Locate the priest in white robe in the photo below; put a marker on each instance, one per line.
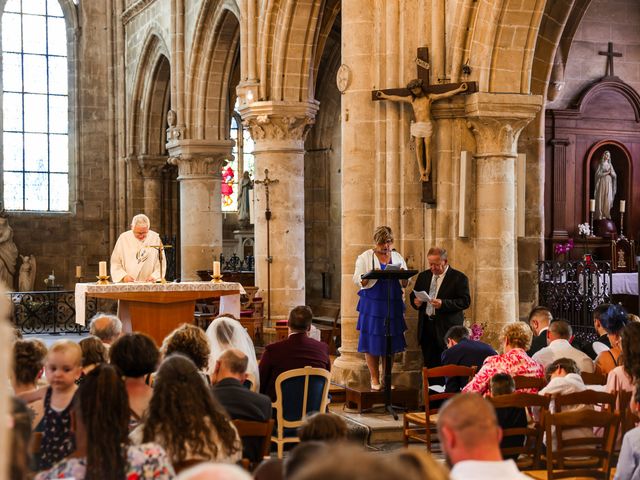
(133, 258)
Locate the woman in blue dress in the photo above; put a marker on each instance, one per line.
(373, 304)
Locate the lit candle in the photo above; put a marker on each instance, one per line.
(623, 206)
(592, 205)
(216, 269)
(78, 271)
(102, 269)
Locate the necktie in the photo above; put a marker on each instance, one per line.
(433, 288)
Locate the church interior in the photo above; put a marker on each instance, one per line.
(266, 141)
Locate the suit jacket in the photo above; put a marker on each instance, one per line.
(538, 342)
(297, 351)
(455, 296)
(469, 353)
(243, 404)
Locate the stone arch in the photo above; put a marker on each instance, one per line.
(289, 35)
(502, 34)
(214, 59)
(152, 78)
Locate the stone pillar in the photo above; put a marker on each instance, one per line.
(278, 130)
(199, 166)
(150, 169)
(496, 121)
(359, 155)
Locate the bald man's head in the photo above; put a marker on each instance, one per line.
(106, 327)
(468, 429)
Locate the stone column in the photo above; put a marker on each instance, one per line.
(150, 169)
(496, 121)
(278, 130)
(199, 164)
(359, 155)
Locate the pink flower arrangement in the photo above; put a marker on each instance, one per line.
(561, 248)
(477, 329)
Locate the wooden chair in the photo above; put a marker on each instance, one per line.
(327, 323)
(582, 457)
(523, 382)
(249, 429)
(628, 419)
(593, 378)
(419, 426)
(298, 392)
(34, 444)
(251, 378)
(602, 400)
(529, 454)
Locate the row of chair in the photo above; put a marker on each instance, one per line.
(595, 453)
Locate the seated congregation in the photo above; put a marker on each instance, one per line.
(203, 405)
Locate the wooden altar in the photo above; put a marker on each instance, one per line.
(154, 309)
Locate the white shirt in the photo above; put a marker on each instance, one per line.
(561, 348)
(136, 258)
(478, 470)
(368, 261)
(440, 279)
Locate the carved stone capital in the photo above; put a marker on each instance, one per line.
(198, 165)
(199, 158)
(279, 122)
(496, 121)
(150, 166)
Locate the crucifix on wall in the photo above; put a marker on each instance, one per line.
(610, 54)
(420, 94)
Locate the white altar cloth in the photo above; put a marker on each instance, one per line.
(625, 283)
(228, 303)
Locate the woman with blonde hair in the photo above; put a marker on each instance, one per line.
(377, 299)
(516, 340)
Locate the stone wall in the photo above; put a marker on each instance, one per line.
(604, 21)
(81, 237)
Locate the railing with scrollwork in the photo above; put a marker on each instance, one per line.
(48, 311)
(573, 289)
(235, 264)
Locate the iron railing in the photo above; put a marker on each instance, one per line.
(49, 312)
(573, 289)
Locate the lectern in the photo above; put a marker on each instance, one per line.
(388, 276)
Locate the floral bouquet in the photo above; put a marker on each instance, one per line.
(584, 230)
(561, 248)
(477, 330)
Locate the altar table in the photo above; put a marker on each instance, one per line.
(158, 308)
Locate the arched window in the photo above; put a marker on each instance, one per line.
(242, 161)
(35, 105)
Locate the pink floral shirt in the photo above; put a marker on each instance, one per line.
(515, 362)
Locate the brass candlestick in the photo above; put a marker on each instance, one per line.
(103, 280)
(216, 279)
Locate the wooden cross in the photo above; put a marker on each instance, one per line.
(439, 90)
(610, 54)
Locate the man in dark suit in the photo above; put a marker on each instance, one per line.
(297, 351)
(461, 350)
(449, 290)
(539, 320)
(228, 377)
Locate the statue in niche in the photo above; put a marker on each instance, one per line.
(27, 276)
(605, 187)
(246, 184)
(8, 253)
(422, 128)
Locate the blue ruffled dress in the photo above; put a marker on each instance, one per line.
(372, 309)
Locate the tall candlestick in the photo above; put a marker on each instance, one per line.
(216, 269)
(592, 205)
(102, 269)
(623, 206)
(78, 271)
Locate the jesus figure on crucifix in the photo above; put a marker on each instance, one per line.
(422, 128)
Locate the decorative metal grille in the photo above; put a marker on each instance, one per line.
(573, 289)
(49, 312)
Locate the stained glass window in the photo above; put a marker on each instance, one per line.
(242, 161)
(35, 106)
